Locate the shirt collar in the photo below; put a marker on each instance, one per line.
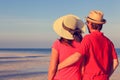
(97, 33)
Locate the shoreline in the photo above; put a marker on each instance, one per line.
(29, 66)
(23, 66)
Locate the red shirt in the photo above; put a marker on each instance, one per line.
(71, 72)
(99, 53)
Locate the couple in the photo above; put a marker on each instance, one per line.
(76, 58)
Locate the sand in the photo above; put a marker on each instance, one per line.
(28, 66)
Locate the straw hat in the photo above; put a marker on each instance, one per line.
(70, 21)
(96, 16)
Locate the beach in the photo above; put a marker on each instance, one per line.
(28, 66)
(23, 66)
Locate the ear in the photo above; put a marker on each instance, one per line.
(90, 26)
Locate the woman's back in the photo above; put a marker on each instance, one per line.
(71, 72)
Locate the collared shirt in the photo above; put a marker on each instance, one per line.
(99, 53)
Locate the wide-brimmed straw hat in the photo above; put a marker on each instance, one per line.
(71, 22)
(96, 16)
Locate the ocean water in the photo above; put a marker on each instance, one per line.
(36, 50)
(118, 52)
(27, 50)
(25, 67)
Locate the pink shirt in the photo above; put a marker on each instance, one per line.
(71, 72)
(99, 52)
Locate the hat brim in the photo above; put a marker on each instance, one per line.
(98, 22)
(58, 28)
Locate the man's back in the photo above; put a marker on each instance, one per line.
(100, 55)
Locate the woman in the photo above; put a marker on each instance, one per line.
(70, 29)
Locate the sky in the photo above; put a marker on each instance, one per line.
(29, 23)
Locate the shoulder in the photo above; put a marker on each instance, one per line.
(108, 40)
(86, 40)
(56, 44)
(86, 37)
(56, 41)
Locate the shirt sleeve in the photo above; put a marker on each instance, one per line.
(55, 45)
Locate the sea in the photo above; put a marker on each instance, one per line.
(36, 50)
(17, 68)
(118, 52)
(27, 50)
(28, 64)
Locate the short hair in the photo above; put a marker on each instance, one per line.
(96, 26)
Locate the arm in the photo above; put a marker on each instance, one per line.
(115, 65)
(82, 66)
(53, 64)
(70, 60)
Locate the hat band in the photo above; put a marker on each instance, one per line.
(68, 29)
(71, 30)
(92, 19)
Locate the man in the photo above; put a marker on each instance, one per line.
(98, 51)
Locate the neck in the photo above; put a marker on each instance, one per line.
(94, 30)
